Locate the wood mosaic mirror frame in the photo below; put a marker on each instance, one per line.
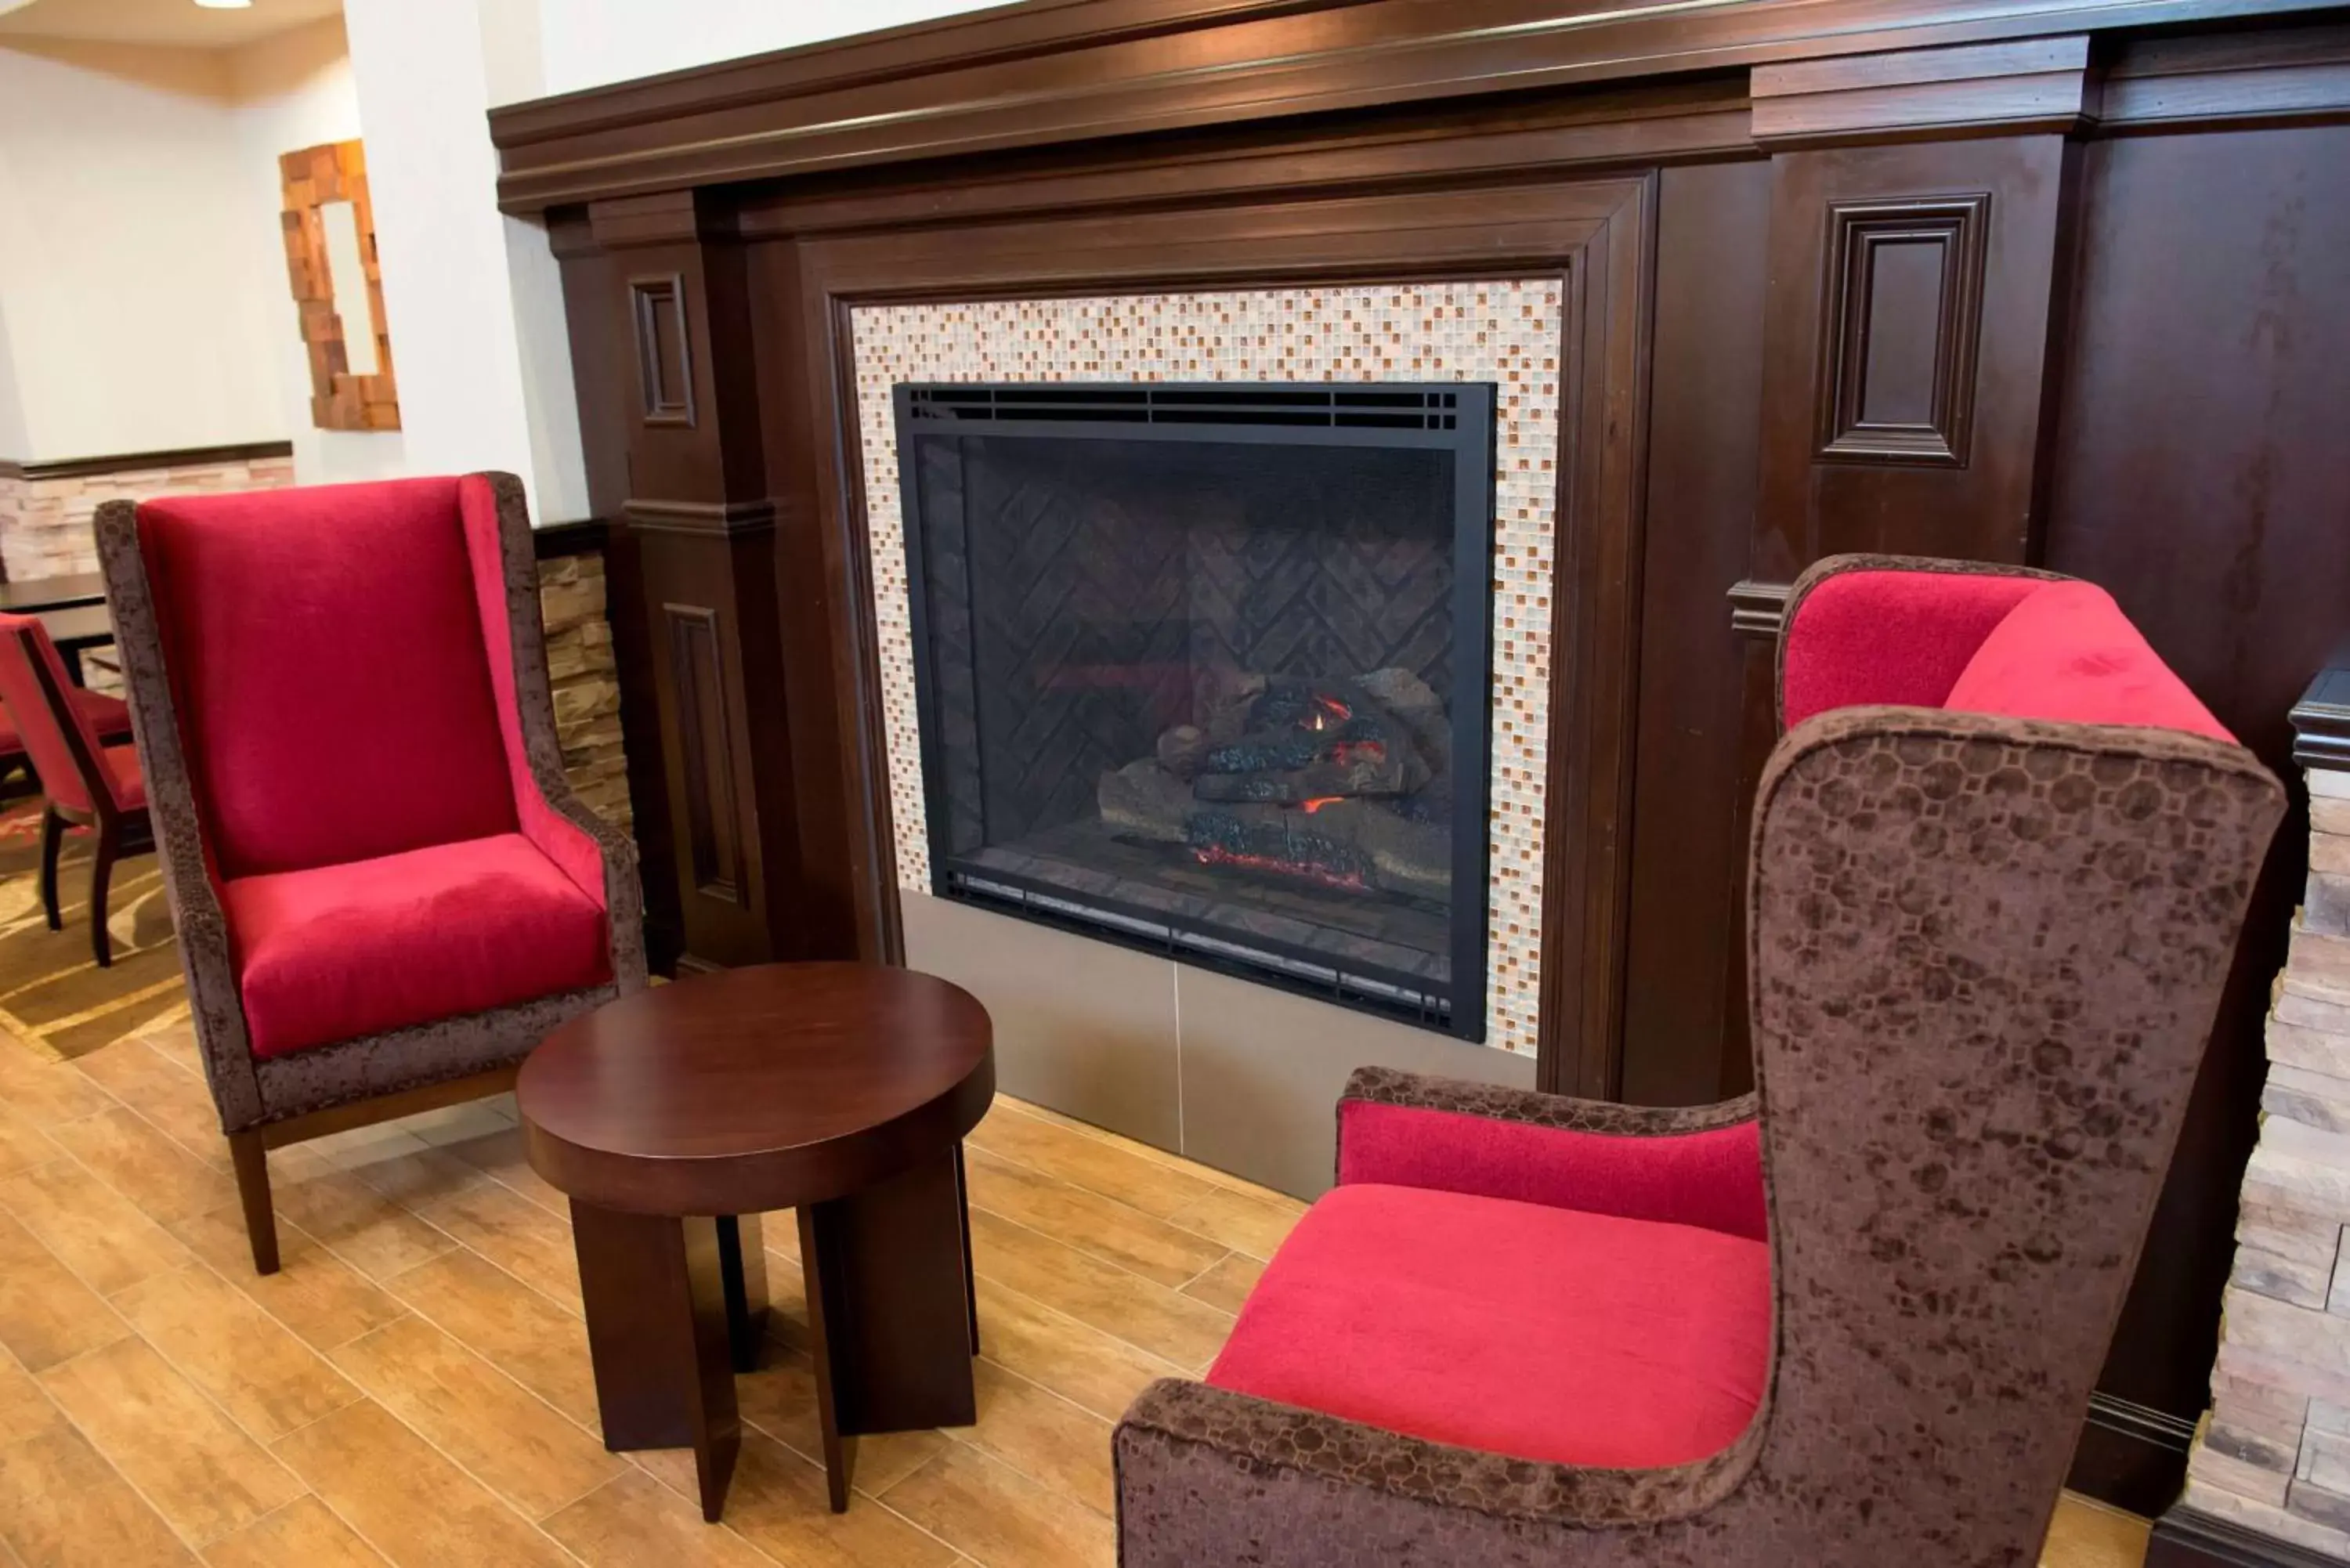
(312, 180)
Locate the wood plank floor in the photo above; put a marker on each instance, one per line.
(414, 1388)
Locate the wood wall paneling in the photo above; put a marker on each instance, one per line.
(593, 284)
(1684, 1009)
(1906, 350)
(2200, 476)
(674, 299)
(698, 687)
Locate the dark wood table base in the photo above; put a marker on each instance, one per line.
(676, 1307)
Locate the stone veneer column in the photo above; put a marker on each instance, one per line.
(45, 523)
(2273, 1457)
(586, 681)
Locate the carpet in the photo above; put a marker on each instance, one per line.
(53, 995)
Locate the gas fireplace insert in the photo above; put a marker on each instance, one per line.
(1204, 669)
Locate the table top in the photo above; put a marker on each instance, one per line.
(52, 593)
(758, 1088)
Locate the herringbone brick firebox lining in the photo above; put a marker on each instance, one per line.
(1506, 331)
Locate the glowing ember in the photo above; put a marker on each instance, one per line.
(1346, 751)
(1211, 855)
(1319, 801)
(1338, 710)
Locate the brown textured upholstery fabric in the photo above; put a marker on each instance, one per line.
(1984, 956)
(251, 1094)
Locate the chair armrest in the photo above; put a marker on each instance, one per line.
(1899, 629)
(1206, 1475)
(589, 850)
(1698, 1164)
(614, 858)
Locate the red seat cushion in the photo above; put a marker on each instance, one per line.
(325, 653)
(130, 780)
(1512, 1328)
(338, 952)
(109, 716)
(2068, 653)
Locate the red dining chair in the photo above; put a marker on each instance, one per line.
(90, 781)
(109, 716)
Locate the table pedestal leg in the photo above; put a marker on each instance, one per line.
(890, 1310)
(655, 1294)
(742, 1264)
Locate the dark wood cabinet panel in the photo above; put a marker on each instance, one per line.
(1898, 351)
(1902, 412)
(1684, 1022)
(2201, 474)
(697, 675)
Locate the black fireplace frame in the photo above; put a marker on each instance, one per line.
(1457, 417)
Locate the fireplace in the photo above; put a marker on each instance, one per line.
(1203, 669)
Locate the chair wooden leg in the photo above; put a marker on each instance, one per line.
(53, 836)
(101, 869)
(252, 1159)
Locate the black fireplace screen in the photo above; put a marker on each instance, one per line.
(1203, 668)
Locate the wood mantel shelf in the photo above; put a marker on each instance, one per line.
(1058, 71)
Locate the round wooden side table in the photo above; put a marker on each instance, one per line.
(674, 1118)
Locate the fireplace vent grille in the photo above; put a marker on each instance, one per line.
(1334, 407)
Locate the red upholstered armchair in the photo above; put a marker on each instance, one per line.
(1998, 864)
(385, 891)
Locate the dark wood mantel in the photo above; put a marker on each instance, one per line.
(1058, 71)
(2055, 282)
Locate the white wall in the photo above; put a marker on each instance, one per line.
(135, 314)
(474, 297)
(292, 91)
(594, 43)
(463, 283)
(13, 439)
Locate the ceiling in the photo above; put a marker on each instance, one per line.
(170, 24)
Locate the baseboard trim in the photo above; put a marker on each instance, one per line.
(2131, 1456)
(2187, 1538)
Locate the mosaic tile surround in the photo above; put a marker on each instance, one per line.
(1506, 331)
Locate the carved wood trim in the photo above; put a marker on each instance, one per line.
(713, 839)
(2321, 721)
(1758, 608)
(2298, 76)
(309, 180)
(1861, 418)
(664, 350)
(1594, 232)
(2029, 84)
(720, 519)
(1065, 72)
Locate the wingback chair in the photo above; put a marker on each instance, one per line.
(1999, 862)
(89, 783)
(385, 891)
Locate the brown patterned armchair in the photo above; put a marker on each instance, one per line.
(385, 891)
(1999, 863)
